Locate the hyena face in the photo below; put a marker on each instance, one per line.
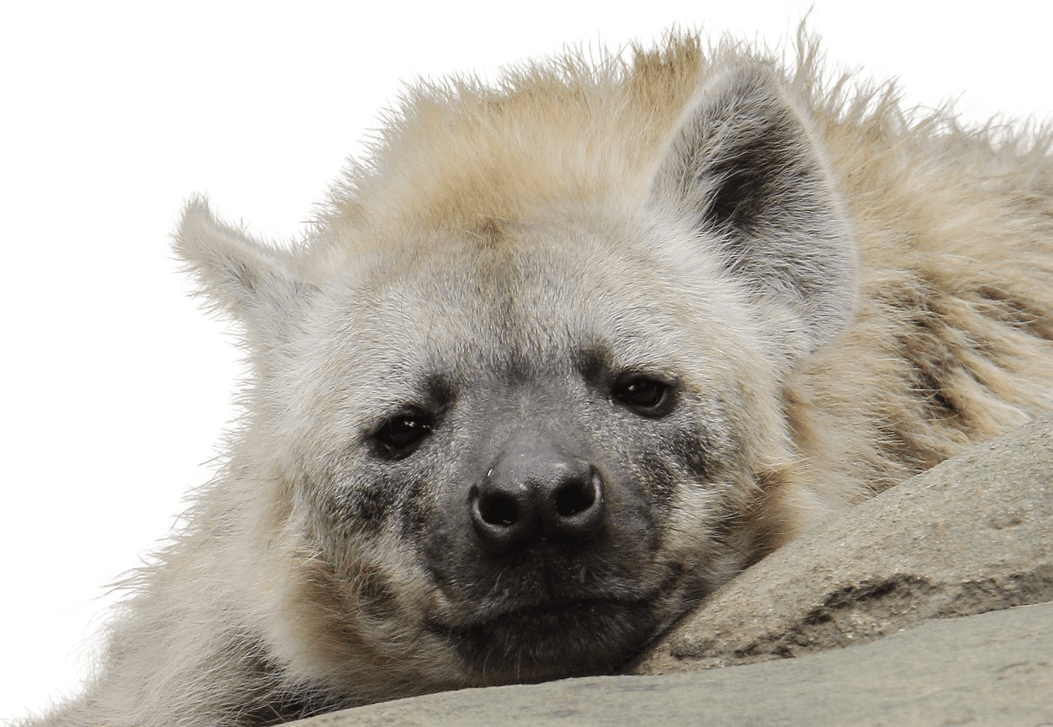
(535, 430)
(516, 446)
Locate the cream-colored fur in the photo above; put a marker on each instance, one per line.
(827, 295)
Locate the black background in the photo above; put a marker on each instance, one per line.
(118, 385)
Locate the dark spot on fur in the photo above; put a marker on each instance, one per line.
(414, 513)
(491, 231)
(695, 450)
(1003, 306)
(660, 481)
(376, 596)
(369, 504)
(938, 404)
(439, 392)
(594, 364)
(682, 457)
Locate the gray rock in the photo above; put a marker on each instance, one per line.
(914, 565)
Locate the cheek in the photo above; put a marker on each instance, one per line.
(662, 459)
(656, 479)
(359, 500)
(687, 474)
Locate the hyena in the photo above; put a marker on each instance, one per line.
(565, 354)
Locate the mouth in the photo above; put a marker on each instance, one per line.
(552, 640)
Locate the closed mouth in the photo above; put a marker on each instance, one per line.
(552, 640)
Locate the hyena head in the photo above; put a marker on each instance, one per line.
(511, 421)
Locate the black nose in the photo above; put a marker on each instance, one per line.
(534, 492)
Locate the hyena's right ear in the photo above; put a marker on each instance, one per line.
(256, 283)
(745, 167)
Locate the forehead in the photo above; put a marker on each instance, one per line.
(535, 298)
(540, 293)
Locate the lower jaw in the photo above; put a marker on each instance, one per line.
(579, 639)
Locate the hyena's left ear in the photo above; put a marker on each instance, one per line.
(256, 283)
(747, 169)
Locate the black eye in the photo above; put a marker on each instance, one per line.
(400, 434)
(646, 396)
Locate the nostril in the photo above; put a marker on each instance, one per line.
(498, 509)
(575, 497)
(501, 521)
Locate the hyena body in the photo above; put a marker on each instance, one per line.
(565, 356)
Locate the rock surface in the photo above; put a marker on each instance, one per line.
(907, 571)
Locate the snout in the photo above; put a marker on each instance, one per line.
(544, 563)
(536, 492)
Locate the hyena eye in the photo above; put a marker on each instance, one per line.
(401, 434)
(645, 396)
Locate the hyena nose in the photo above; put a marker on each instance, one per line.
(536, 493)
